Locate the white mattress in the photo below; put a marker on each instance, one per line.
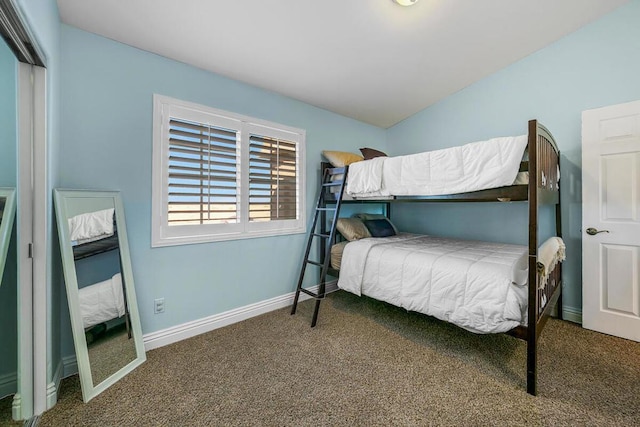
(479, 286)
(471, 167)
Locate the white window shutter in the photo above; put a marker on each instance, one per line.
(203, 174)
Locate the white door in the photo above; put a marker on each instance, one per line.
(611, 220)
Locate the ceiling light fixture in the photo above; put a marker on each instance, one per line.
(405, 2)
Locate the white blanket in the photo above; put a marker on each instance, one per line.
(479, 286)
(471, 167)
(91, 226)
(102, 301)
(550, 253)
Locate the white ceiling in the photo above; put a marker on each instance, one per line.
(371, 60)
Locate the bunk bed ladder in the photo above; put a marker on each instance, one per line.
(330, 180)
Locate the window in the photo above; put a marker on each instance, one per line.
(221, 176)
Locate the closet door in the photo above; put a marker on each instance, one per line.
(8, 231)
(30, 178)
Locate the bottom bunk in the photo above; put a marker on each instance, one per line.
(483, 287)
(478, 286)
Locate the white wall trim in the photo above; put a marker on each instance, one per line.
(196, 327)
(8, 384)
(69, 366)
(16, 407)
(572, 314)
(52, 395)
(54, 386)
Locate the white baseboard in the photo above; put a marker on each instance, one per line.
(196, 327)
(8, 384)
(16, 407)
(572, 314)
(54, 386)
(69, 366)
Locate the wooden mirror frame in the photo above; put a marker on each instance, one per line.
(89, 390)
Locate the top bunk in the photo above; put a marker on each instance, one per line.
(539, 159)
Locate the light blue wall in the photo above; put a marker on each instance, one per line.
(8, 171)
(596, 66)
(106, 143)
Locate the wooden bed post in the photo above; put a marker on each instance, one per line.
(532, 319)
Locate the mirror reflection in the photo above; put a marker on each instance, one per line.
(100, 290)
(9, 365)
(8, 307)
(7, 213)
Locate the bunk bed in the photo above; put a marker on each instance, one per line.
(542, 285)
(104, 302)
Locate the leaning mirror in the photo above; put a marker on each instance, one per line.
(7, 212)
(99, 280)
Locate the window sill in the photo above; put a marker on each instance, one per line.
(158, 242)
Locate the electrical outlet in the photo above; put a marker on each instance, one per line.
(158, 305)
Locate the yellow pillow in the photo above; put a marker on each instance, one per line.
(352, 229)
(339, 159)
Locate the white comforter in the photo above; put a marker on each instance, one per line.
(479, 286)
(471, 167)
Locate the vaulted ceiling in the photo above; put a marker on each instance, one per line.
(371, 60)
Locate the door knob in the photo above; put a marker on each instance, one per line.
(592, 231)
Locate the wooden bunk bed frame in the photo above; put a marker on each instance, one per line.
(542, 189)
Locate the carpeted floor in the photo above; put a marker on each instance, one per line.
(5, 413)
(367, 363)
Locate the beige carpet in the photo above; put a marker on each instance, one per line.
(367, 363)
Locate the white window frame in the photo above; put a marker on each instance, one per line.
(164, 235)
